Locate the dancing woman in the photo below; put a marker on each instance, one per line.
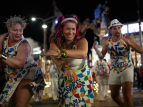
(23, 76)
(68, 50)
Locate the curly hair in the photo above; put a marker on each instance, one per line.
(14, 20)
(56, 35)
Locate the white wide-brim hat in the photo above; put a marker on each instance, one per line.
(115, 22)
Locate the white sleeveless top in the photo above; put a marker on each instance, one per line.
(12, 51)
(75, 63)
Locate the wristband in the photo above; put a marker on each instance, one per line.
(3, 56)
(64, 52)
(59, 56)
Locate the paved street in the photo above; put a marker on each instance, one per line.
(137, 97)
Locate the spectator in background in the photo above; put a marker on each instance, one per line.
(101, 70)
(138, 78)
(2, 76)
(38, 96)
(47, 67)
(40, 64)
(53, 78)
(107, 77)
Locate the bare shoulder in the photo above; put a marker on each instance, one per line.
(53, 46)
(24, 42)
(24, 45)
(129, 38)
(3, 35)
(83, 40)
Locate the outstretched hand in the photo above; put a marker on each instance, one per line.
(51, 52)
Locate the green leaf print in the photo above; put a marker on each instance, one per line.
(70, 97)
(6, 36)
(23, 71)
(62, 83)
(65, 78)
(87, 96)
(86, 78)
(3, 43)
(70, 81)
(129, 61)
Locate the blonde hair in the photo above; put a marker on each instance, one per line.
(14, 20)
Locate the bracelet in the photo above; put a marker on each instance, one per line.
(64, 52)
(64, 66)
(59, 56)
(3, 56)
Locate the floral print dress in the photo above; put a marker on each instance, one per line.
(14, 76)
(79, 93)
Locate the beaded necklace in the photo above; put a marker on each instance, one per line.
(71, 45)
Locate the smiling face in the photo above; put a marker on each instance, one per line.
(16, 32)
(116, 31)
(69, 31)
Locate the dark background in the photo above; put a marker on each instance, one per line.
(124, 10)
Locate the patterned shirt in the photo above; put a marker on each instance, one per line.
(120, 54)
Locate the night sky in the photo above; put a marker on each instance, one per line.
(124, 10)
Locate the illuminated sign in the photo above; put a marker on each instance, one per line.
(124, 29)
(36, 50)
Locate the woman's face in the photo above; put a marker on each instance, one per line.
(16, 31)
(69, 31)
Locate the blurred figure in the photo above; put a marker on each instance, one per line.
(2, 76)
(101, 72)
(38, 96)
(40, 64)
(141, 77)
(53, 78)
(107, 77)
(46, 78)
(138, 77)
(47, 67)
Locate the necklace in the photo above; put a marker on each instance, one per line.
(68, 46)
